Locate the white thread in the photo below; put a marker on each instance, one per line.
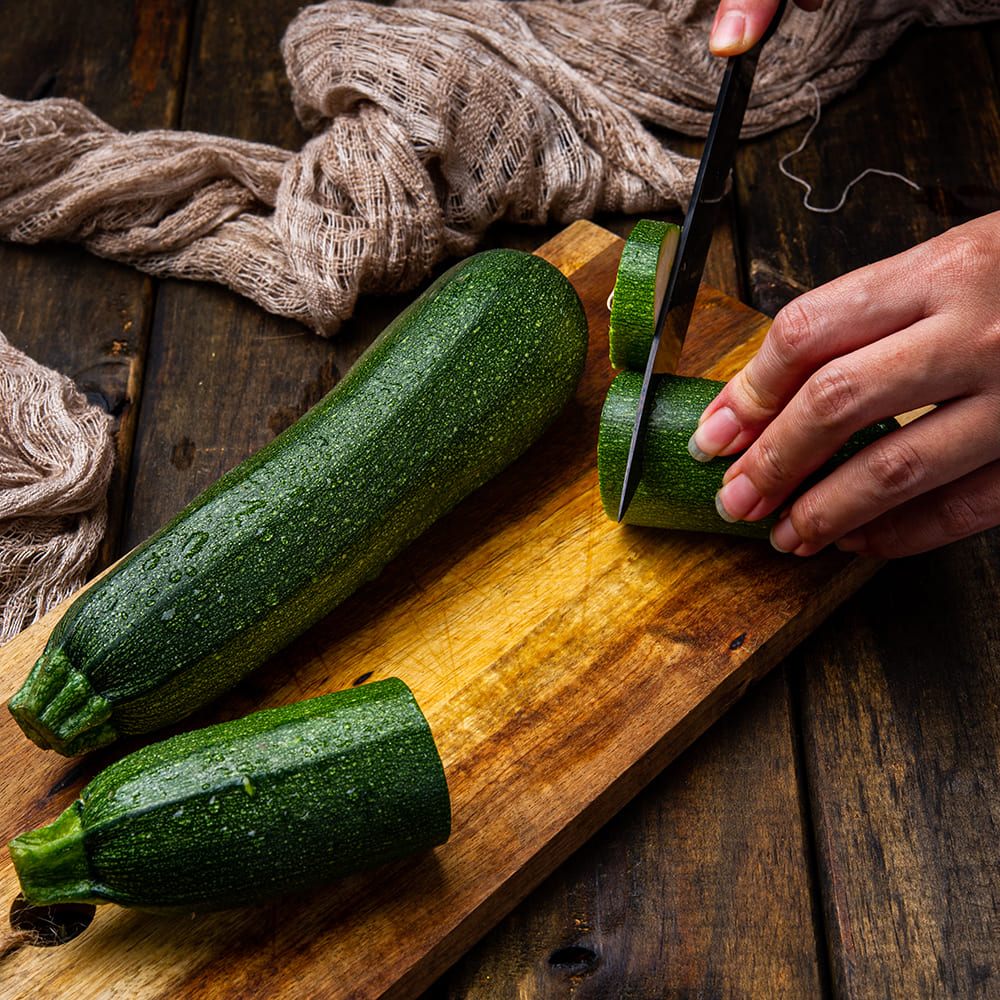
(847, 190)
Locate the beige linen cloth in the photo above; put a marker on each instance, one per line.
(431, 120)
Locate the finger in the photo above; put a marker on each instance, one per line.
(952, 512)
(739, 25)
(826, 323)
(891, 376)
(916, 461)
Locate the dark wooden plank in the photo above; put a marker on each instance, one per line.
(86, 317)
(678, 895)
(225, 376)
(898, 688)
(931, 127)
(124, 63)
(902, 738)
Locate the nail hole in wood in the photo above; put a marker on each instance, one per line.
(574, 959)
(48, 926)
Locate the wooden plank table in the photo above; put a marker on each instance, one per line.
(834, 835)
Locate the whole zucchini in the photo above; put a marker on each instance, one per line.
(244, 811)
(449, 394)
(674, 490)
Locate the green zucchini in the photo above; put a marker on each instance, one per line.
(675, 490)
(248, 810)
(643, 273)
(450, 393)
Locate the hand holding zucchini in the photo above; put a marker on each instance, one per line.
(244, 811)
(674, 490)
(449, 394)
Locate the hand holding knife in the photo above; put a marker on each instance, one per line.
(674, 313)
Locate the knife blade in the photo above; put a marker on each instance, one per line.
(674, 312)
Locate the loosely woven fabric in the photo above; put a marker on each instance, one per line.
(56, 459)
(430, 121)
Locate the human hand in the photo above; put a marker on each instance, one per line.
(740, 24)
(919, 328)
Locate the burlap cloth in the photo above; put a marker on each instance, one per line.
(432, 119)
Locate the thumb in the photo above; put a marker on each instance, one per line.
(736, 417)
(739, 25)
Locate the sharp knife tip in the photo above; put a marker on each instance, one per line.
(628, 490)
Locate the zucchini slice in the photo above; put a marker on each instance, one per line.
(248, 810)
(643, 273)
(675, 490)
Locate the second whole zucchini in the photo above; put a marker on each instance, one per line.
(248, 810)
(451, 392)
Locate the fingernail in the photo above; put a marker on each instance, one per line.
(784, 537)
(721, 510)
(738, 499)
(717, 431)
(728, 33)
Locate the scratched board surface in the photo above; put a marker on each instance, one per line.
(561, 660)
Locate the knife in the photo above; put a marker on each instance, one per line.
(674, 313)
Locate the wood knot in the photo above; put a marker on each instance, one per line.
(574, 959)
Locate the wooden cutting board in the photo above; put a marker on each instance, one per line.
(562, 661)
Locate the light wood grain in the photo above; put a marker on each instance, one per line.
(561, 660)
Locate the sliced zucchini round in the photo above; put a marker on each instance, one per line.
(643, 273)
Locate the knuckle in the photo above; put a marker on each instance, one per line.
(991, 336)
(745, 397)
(832, 393)
(895, 468)
(958, 517)
(761, 403)
(772, 471)
(793, 331)
(965, 251)
(811, 522)
(958, 260)
(988, 353)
